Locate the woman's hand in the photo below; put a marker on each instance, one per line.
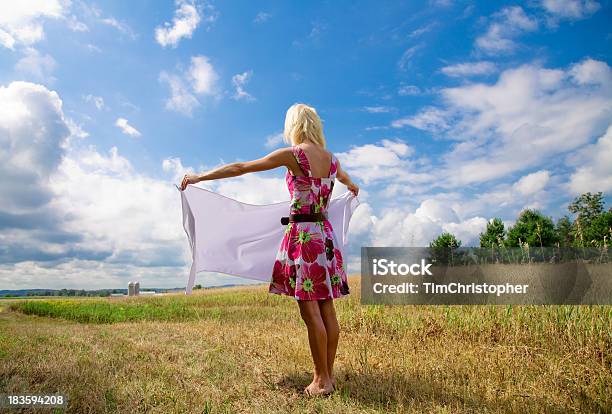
(353, 188)
(189, 179)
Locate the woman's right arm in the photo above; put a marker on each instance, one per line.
(344, 178)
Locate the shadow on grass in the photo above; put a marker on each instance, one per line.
(391, 389)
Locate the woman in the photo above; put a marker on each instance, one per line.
(308, 266)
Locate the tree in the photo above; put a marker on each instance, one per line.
(494, 234)
(600, 230)
(445, 241)
(592, 223)
(587, 207)
(564, 232)
(532, 228)
(442, 248)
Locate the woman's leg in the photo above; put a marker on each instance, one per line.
(328, 314)
(317, 338)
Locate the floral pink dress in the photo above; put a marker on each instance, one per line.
(309, 265)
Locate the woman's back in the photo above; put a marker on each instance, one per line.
(309, 192)
(319, 159)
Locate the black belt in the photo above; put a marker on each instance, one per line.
(303, 217)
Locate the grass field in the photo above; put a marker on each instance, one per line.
(243, 350)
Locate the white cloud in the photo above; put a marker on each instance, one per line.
(529, 115)
(318, 28)
(430, 119)
(69, 211)
(93, 48)
(75, 25)
(200, 78)
(126, 128)
(185, 21)
(174, 166)
(68, 274)
(6, 40)
(98, 101)
(92, 14)
(239, 80)
(437, 211)
(375, 162)
(122, 27)
(362, 220)
(38, 66)
(421, 30)
(401, 227)
(76, 130)
(21, 21)
(441, 3)
(378, 109)
(532, 183)
(203, 75)
(594, 167)
(468, 231)
(33, 131)
(571, 9)
(262, 17)
(98, 192)
(408, 90)
(181, 99)
(591, 72)
(508, 199)
(274, 140)
(507, 24)
(469, 69)
(406, 58)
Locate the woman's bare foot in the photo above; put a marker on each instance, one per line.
(319, 388)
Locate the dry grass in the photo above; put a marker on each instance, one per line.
(243, 350)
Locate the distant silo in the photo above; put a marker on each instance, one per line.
(131, 289)
(137, 288)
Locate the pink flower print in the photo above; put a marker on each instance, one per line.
(336, 281)
(339, 263)
(290, 281)
(285, 242)
(300, 155)
(319, 205)
(302, 184)
(296, 205)
(307, 245)
(302, 201)
(312, 284)
(333, 169)
(321, 225)
(325, 191)
(290, 186)
(277, 283)
(329, 248)
(327, 227)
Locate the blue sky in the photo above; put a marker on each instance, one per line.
(446, 113)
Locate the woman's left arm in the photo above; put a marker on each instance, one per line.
(278, 158)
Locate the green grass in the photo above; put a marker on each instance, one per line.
(244, 350)
(173, 307)
(574, 323)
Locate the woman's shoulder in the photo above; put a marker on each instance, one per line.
(333, 156)
(298, 149)
(285, 151)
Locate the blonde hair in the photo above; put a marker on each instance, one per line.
(302, 123)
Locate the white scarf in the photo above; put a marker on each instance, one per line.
(240, 239)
